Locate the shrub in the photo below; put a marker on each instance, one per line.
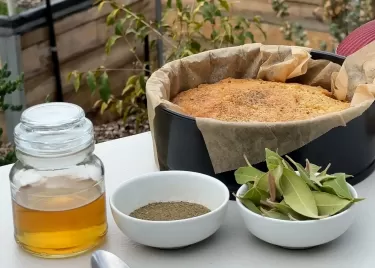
(342, 16)
(182, 32)
(8, 86)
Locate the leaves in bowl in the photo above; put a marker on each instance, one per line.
(283, 193)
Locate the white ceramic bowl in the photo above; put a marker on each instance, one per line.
(170, 186)
(297, 234)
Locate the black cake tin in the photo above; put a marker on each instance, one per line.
(349, 149)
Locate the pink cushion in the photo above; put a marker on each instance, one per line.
(357, 39)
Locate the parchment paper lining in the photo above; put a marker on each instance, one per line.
(227, 142)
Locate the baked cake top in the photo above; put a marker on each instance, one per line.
(241, 100)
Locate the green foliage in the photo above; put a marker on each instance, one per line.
(284, 194)
(4, 9)
(185, 30)
(342, 16)
(7, 87)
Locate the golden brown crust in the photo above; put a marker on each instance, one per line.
(256, 100)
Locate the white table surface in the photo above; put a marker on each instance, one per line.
(231, 247)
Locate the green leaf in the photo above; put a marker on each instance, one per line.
(355, 200)
(111, 18)
(278, 173)
(195, 46)
(287, 165)
(224, 4)
(247, 174)
(311, 168)
(127, 89)
(262, 183)
(241, 39)
(132, 80)
(103, 107)
(179, 5)
(119, 106)
(274, 214)
(214, 34)
(255, 195)
(249, 205)
(209, 11)
(324, 172)
(228, 28)
(69, 77)
(104, 88)
(250, 35)
(111, 41)
(77, 80)
(169, 4)
(329, 204)
(91, 81)
(100, 6)
(303, 174)
(142, 82)
(338, 186)
(287, 210)
(298, 195)
(119, 27)
(273, 160)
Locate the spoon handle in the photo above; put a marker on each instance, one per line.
(105, 259)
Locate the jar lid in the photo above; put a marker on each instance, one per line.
(53, 129)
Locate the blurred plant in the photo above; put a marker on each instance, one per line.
(4, 9)
(185, 30)
(8, 86)
(343, 16)
(292, 31)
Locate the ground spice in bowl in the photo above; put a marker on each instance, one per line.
(169, 211)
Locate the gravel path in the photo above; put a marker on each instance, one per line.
(118, 129)
(27, 4)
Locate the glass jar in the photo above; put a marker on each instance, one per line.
(57, 184)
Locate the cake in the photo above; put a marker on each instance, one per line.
(244, 100)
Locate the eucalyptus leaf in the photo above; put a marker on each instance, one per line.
(287, 165)
(323, 178)
(247, 174)
(272, 159)
(274, 214)
(303, 174)
(311, 168)
(298, 195)
(262, 183)
(301, 198)
(255, 195)
(287, 210)
(277, 174)
(329, 204)
(249, 204)
(249, 184)
(338, 186)
(324, 172)
(292, 218)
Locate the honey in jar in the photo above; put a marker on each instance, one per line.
(57, 184)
